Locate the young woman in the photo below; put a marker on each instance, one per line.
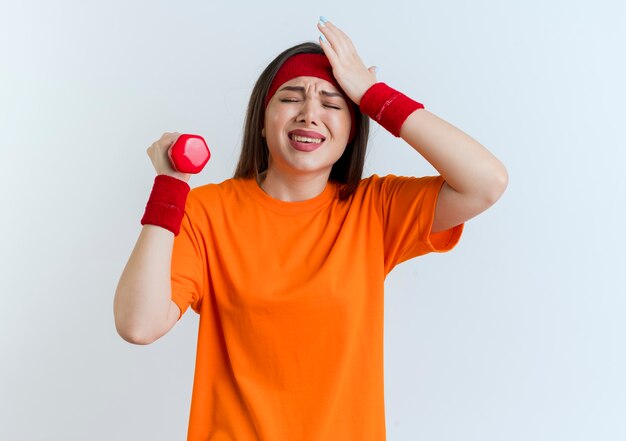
(286, 261)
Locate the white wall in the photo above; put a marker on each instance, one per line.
(517, 334)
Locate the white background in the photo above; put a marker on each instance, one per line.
(516, 334)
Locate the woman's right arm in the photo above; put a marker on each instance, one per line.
(143, 307)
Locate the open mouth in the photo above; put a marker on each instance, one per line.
(305, 142)
(306, 139)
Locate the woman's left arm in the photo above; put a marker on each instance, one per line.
(475, 178)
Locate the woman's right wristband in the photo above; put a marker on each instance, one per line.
(166, 205)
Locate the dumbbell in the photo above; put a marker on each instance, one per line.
(189, 154)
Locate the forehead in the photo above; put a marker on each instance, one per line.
(310, 82)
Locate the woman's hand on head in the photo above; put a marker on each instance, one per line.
(348, 68)
(158, 153)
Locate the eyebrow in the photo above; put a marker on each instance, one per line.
(301, 89)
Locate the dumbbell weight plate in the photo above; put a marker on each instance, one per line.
(189, 154)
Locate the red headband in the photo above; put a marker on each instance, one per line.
(310, 65)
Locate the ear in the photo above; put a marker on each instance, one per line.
(263, 132)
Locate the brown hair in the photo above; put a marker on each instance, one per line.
(254, 158)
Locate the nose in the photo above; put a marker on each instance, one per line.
(308, 112)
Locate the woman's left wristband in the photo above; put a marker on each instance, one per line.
(388, 107)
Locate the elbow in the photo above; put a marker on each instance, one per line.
(132, 333)
(135, 338)
(497, 186)
(493, 189)
(133, 325)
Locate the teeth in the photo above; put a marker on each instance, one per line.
(306, 139)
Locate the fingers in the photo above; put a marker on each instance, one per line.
(169, 136)
(338, 47)
(335, 37)
(158, 154)
(168, 139)
(328, 50)
(165, 141)
(348, 68)
(329, 43)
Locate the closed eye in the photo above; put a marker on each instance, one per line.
(295, 100)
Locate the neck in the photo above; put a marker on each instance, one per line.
(292, 188)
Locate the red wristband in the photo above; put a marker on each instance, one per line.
(166, 205)
(388, 107)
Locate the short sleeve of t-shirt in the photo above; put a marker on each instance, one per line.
(188, 270)
(408, 210)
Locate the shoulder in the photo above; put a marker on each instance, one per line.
(389, 184)
(207, 196)
(228, 187)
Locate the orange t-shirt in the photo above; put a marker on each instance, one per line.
(290, 297)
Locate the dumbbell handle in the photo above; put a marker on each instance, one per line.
(189, 154)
